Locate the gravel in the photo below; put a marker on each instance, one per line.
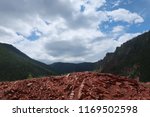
(76, 86)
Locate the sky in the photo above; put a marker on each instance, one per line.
(71, 30)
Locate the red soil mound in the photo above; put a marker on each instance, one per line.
(85, 85)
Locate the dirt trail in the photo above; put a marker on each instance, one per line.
(82, 85)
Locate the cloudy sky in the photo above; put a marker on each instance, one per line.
(71, 30)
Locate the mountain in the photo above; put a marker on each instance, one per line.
(62, 68)
(15, 65)
(131, 59)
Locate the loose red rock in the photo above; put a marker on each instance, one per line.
(76, 86)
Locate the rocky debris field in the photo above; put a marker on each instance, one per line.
(76, 86)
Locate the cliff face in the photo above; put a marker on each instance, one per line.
(81, 85)
(133, 57)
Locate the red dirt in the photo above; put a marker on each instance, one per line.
(75, 86)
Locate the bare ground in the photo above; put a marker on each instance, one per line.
(76, 86)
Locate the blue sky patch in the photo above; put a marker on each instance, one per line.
(35, 35)
(82, 8)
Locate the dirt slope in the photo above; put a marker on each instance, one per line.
(82, 85)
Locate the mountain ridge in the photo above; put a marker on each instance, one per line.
(15, 65)
(63, 68)
(131, 57)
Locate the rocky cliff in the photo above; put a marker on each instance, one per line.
(130, 59)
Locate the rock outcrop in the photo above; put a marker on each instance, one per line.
(130, 59)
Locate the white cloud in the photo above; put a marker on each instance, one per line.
(125, 15)
(126, 37)
(116, 3)
(66, 34)
(118, 29)
(9, 36)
